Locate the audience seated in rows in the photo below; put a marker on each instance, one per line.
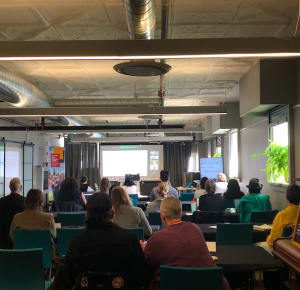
(102, 247)
(69, 191)
(9, 206)
(33, 218)
(233, 190)
(179, 244)
(84, 187)
(285, 218)
(165, 178)
(105, 185)
(221, 184)
(210, 201)
(253, 201)
(129, 185)
(200, 191)
(126, 215)
(162, 192)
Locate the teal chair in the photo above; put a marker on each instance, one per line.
(87, 196)
(63, 239)
(22, 269)
(32, 239)
(154, 218)
(134, 198)
(228, 203)
(74, 219)
(287, 232)
(263, 217)
(139, 232)
(234, 234)
(187, 196)
(179, 278)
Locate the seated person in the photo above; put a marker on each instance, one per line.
(10, 205)
(69, 191)
(210, 201)
(200, 191)
(165, 178)
(233, 190)
(221, 184)
(129, 185)
(102, 247)
(179, 244)
(253, 201)
(84, 187)
(126, 215)
(285, 218)
(105, 185)
(33, 218)
(162, 190)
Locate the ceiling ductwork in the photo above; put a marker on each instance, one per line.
(20, 93)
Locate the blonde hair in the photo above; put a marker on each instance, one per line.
(119, 196)
(210, 186)
(221, 177)
(163, 190)
(104, 184)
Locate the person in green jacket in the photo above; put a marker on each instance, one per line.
(253, 201)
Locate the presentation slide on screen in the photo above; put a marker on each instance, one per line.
(146, 160)
(210, 167)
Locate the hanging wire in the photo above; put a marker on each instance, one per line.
(297, 20)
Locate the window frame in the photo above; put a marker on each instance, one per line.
(237, 145)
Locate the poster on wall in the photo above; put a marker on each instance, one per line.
(56, 170)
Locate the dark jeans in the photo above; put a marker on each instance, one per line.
(59, 282)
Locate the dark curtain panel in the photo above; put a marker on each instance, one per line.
(73, 160)
(90, 163)
(176, 161)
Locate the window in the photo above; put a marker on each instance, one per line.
(279, 134)
(191, 167)
(233, 156)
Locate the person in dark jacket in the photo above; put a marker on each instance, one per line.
(233, 190)
(69, 191)
(210, 201)
(103, 247)
(84, 187)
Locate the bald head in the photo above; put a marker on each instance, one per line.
(171, 208)
(15, 185)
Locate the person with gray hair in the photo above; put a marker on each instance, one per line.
(179, 244)
(10, 205)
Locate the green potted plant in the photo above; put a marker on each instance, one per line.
(217, 155)
(278, 162)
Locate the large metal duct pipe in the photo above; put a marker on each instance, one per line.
(20, 93)
(107, 102)
(140, 18)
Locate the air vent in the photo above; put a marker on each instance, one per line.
(142, 68)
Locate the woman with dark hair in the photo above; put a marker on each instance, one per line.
(69, 191)
(103, 247)
(210, 201)
(129, 185)
(233, 190)
(200, 191)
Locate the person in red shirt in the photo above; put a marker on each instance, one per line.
(179, 244)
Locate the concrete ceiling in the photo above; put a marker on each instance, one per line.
(192, 82)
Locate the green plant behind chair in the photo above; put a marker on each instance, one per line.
(277, 163)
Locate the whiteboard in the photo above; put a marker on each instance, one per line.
(210, 167)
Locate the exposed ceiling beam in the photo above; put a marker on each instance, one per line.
(133, 139)
(150, 49)
(113, 111)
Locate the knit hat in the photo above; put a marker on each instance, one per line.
(254, 183)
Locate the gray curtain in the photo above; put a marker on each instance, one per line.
(176, 161)
(90, 163)
(73, 160)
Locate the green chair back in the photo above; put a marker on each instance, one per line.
(265, 217)
(22, 269)
(139, 232)
(179, 278)
(86, 195)
(287, 232)
(74, 219)
(32, 239)
(63, 239)
(134, 198)
(234, 234)
(228, 203)
(154, 218)
(187, 196)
